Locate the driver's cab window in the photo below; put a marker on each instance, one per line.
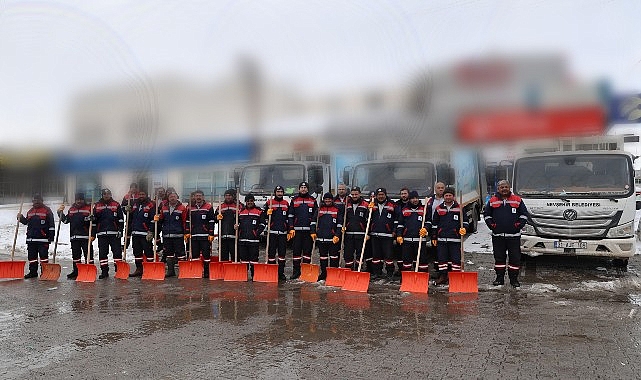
(315, 179)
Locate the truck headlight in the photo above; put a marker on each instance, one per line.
(625, 230)
(528, 230)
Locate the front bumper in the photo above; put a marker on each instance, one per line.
(616, 248)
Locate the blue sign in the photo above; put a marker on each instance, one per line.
(625, 109)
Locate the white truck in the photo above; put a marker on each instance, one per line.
(420, 175)
(581, 203)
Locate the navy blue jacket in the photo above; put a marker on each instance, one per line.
(228, 211)
(302, 213)
(142, 217)
(250, 225)
(506, 217)
(330, 220)
(384, 219)
(446, 223)
(356, 218)
(202, 221)
(173, 224)
(410, 221)
(40, 225)
(109, 218)
(280, 216)
(78, 220)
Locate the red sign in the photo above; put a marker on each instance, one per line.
(531, 124)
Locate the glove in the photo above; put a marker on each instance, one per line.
(370, 205)
(210, 238)
(462, 231)
(335, 240)
(434, 241)
(313, 236)
(343, 229)
(128, 208)
(399, 240)
(187, 236)
(270, 211)
(366, 237)
(19, 216)
(219, 217)
(61, 208)
(422, 232)
(157, 218)
(150, 236)
(290, 235)
(92, 238)
(92, 218)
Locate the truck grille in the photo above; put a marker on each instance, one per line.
(588, 223)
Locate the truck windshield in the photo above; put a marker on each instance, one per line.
(261, 179)
(578, 175)
(395, 175)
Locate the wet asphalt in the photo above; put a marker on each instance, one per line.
(572, 318)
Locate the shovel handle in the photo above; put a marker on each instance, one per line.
(90, 228)
(420, 238)
(220, 231)
(314, 241)
(269, 225)
(460, 210)
(343, 228)
(15, 235)
(236, 233)
(369, 219)
(156, 232)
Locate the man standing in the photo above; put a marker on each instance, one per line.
(506, 215)
(40, 232)
(382, 231)
(202, 229)
(303, 210)
(127, 204)
(109, 226)
(79, 221)
(401, 203)
(357, 211)
(173, 223)
(330, 219)
(226, 213)
(250, 226)
(410, 229)
(141, 230)
(277, 208)
(432, 203)
(447, 234)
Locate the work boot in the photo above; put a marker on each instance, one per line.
(171, 271)
(514, 279)
(322, 276)
(104, 274)
(295, 273)
(389, 271)
(442, 279)
(281, 278)
(31, 274)
(137, 272)
(73, 275)
(206, 271)
(500, 278)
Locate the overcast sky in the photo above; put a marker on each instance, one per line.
(51, 50)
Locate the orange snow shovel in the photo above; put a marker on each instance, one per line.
(416, 282)
(235, 271)
(51, 272)
(190, 268)
(357, 281)
(154, 270)
(463, 282)
(122, 267)
(88, 272)
(336, 276)
(309, 272)
(267, 272)
(13, 269)
(216, 265)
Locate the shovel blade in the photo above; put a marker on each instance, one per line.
(356, 281)
(12, 269)
(217, 270)
(86, 273)
(122, 270)
(235, 272)
(153, 270)
(309, 272)
(336, 276)
(415, 282)
(190, 269)
(464, 282)
(50, 272)
(266, 273)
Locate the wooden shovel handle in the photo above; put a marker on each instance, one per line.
(15, 235)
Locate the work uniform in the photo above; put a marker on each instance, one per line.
(142, 231)
(382, 230)
(109, 226)
(397, 248)
(410, 222)
(302, 213)
(445, 229)
(432, 203)
(201, 229)
(173, 224)
(40, 232)
(278, 228)
(357, 213)
(79, 220)
(250, 225)
(506, 217)
(328, 232)
(227, 235)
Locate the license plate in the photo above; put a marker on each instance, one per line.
(571, 244)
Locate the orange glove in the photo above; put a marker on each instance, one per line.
(366, 237)
(462, 231)
(156, 217)
(270, 211)
(335, 239)
(187, 236)
(399, 240)
(290, 235)
(93, 238)
(343, 229)
(219, 217)
(434, 241)
(313, 236)
(422, 232)
(61, 208)
(210, 238)
(370, 205)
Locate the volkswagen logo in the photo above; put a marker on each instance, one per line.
(570, 214)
